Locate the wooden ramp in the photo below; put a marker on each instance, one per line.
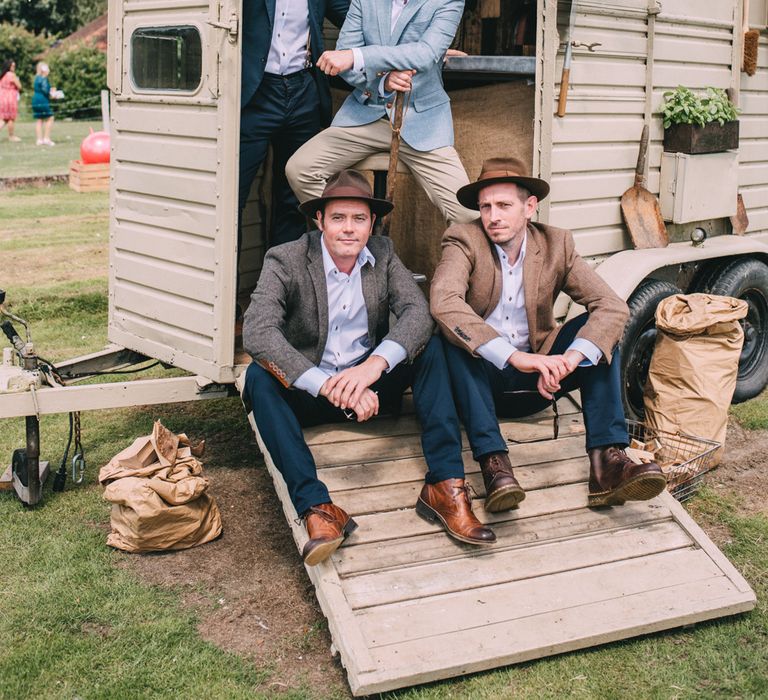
(407, 605)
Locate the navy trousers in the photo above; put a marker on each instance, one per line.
(483, 391)
(280, 414)
(284, 111)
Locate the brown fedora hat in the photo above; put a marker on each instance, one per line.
(501, 170)
(347, 184)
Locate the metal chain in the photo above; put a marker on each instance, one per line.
(78, 461)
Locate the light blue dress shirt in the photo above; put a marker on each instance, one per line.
(288, 50)
(511, 323)
(348, 340)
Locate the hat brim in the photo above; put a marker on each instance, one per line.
(468, 194)
(380, 207)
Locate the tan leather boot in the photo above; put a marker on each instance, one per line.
(327, 526)
(448, 503)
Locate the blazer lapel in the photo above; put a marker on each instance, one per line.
(531, 272)
(270, 5)
(368, 280)
(402, 21)
(317, 273)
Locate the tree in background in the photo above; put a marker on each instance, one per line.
(24, 47)
(55, 17)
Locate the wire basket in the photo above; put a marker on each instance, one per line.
(683, 458)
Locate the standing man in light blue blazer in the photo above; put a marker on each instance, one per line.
(389, 46)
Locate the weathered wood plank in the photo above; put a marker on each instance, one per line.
(377, 448)
(558, 631)
(398, 471)
(380, 588)
(408, 424)
(438, 615)
(378, 499)
(422, 549)
(380, 527)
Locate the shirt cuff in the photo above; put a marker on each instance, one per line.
(312, 381)
(359, 65)
(392, 352)
(497, 352)
(591, 352)
(382, 90)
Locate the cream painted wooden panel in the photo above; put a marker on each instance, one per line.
(169, 342)
(171, 277)
(152, 241)
(152, 211)
(178, 120)
(713, 10)
(169, 151)
(753, 149)
(165, 182)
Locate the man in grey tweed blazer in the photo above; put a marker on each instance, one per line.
(318, 328)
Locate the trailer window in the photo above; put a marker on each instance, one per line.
(166, 58)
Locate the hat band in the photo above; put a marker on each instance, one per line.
(346, 191)
(492, 174)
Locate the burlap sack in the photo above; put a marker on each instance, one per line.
(695, 361)
(159, 498)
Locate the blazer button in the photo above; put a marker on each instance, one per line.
(380, 74)
(389, 105)
(367, 93)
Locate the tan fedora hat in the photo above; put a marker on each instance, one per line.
(501, 170)
(347, 184)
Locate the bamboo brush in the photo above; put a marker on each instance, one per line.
(751, 44)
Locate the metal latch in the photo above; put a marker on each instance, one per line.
(232, 27)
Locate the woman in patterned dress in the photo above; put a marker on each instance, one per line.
(10, 87)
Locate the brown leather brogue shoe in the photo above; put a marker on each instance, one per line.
(502, 492)
(327, 526)
(448, 502)
(614, 478)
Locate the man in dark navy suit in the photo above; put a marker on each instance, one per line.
(285, 101)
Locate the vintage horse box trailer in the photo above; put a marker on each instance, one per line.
(173, 75)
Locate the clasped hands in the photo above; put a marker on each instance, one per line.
(552, 369)
(350, 388)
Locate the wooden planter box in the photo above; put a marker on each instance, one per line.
(88, 177)
(712, 138)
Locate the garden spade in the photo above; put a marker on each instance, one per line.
(640, 208)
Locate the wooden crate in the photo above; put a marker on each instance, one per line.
(407, 605)
(88, 177)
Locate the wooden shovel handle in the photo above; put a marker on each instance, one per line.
(641, 158)
(563, 98)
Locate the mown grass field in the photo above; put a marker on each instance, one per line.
(76, 622)
(25, 159)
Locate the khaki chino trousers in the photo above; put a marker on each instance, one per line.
(439, 172)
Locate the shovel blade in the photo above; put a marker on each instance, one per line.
(642, 215)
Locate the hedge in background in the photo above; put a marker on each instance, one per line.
(25, 48)
(81, 72)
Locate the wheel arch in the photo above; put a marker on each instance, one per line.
(627, 270)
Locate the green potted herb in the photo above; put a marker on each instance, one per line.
(699, 123)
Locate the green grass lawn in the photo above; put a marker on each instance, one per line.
(75, 622)
(25, 159)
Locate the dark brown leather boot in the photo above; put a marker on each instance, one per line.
(327, 526)
(448, 502)
(614, 478)
(502, 492)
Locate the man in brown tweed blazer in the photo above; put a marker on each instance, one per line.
(492, 296)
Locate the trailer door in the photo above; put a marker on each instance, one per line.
(174, 82)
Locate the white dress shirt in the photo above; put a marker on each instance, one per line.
(348, 340)
(511, 322)
(288, 50)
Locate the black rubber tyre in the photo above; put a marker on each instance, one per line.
(637, 343)
(747, 279)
